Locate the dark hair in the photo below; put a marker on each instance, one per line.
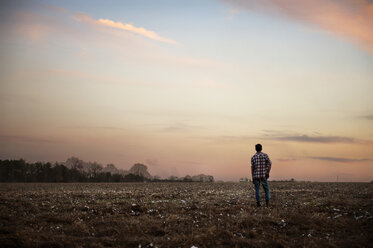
(258, 147)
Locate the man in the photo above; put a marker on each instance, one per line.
(260, 168)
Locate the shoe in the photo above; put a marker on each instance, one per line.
(267, 203)
(258, 204)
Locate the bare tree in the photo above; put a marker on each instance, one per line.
(94, 168)
(74, 163)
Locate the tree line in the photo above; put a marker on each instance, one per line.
(22, 171)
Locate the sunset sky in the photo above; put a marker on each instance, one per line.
(189, 87)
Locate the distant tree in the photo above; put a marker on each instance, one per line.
(140, 170)
(61, 173)
(173, 178)
(187, 178)
(112, 166)
(74, 163)
(93, 169)
(134, 178)
(17, 170)
(156, 178)
(76, 170)
(116, 178)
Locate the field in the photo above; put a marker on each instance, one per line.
(185, 214)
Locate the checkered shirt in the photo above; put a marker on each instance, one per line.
(260, 165)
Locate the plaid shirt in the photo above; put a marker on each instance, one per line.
(260, 165)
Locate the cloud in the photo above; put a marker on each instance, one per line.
(367, 117)
(98, 127)
(341, 160)
(82, 17)
(286, 137)
(226, 139)
(55, 8)
(280, 135)
(351, 19)
(315, 139)
(56, 22)
(180, 127)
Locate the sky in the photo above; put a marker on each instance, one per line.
(189, 87)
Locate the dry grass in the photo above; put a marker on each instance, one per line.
(185, 214)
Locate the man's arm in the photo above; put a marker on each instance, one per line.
(252, 168)
(269, 166)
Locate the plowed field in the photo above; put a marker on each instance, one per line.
(185, 215)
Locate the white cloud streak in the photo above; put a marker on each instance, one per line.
(82, 17)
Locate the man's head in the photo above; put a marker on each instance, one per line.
(258, 147)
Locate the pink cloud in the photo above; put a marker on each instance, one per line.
(123, 26)
(351, 19)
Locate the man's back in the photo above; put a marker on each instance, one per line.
(260, 165)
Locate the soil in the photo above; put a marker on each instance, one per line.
(301, 214)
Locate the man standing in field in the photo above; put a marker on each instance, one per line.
(260, 168)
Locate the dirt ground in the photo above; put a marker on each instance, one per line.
(185, 214)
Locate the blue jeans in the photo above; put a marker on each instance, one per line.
(257, 183)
